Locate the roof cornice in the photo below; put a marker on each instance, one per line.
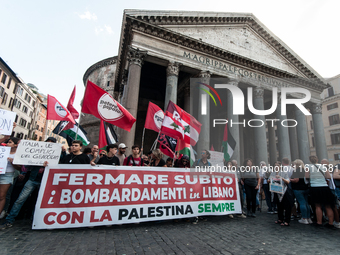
(102, 63)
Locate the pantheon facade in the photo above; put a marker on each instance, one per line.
(160, 51)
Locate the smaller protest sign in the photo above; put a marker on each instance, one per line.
(216, 158)
(7, 119)
(276, 185)
(36, 153)
(4, 153)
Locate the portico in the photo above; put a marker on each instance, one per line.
(162, 50)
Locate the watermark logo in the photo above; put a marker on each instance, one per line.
(204, 97)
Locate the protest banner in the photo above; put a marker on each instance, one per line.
(36, 153)
(276, 185)
(216, 158)
(4, 153)
(83, 196)
(7, 119)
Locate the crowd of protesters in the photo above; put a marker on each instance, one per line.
(310, 189)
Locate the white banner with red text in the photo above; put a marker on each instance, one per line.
(73, 196)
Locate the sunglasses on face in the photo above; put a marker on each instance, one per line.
(185, 161)
(202, 153)
(102, 154)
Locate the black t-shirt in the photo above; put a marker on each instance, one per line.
(76, 159)
(105, 160)
(300, 185)
(161, 163)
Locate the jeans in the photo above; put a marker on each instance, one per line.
(302, 198)
(29, 187)
(268, 197)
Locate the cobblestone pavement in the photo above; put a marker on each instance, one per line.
(218, 235)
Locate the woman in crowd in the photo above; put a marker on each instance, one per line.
(301, 191)
(251, 180)
(6, 180)
(285, 199)
(169, 162)
(183, 162)
(157, 158)
(320, 193)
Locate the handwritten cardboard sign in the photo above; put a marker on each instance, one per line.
(216, 158)
(6, 122)
(4, 153)
(36, 153)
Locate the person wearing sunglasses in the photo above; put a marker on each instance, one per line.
(203, 161)
(183, 162)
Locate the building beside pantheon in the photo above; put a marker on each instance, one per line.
(160, 51)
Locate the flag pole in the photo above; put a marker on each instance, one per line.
(78, 125)
(155, 142)
(143, 138)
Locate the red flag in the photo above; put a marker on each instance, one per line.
(102, 136)
(56, 111)
(102, 105)
(167, 145)
(72, 110)
(154, 117)
(212, 148)
(70, 107)
(190, 126)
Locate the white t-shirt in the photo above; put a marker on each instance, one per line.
(10, 168)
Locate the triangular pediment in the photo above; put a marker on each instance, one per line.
(240, 40)
(238, 33)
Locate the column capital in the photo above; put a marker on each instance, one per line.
(258, 92)
(173, 68)
(233, 82)
(136, 56)
(204, 74)
(316, 108)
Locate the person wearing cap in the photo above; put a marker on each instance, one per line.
(121, 153)
(32, 184)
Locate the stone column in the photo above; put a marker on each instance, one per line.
(171, 83)
(272, 142)
(319, 132)
(282, 134)
(131, 93)
(204, 138)
(293, 140)
(235, 129)
(260, 139)
(302, 136)
(187, 99)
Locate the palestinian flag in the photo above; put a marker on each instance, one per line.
(228, 144)
(189, 151)
(70, 134)
(107, 135)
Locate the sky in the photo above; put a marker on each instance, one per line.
(52, 43)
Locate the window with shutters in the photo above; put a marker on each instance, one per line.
(332, 106)
(334, 119)
(335, 138)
